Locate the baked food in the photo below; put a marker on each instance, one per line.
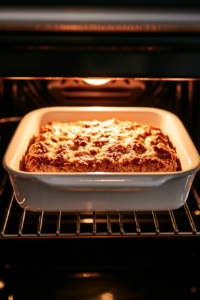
(94, 146)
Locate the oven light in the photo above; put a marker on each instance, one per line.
(91, 274)
(106, 296)
(87, 221)
(85, 275)
(96, 81)
(2, 284)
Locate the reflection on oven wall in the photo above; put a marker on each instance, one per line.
(179, 97)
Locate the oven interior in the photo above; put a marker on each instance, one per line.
(107, 255)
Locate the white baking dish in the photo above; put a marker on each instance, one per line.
(101, 191)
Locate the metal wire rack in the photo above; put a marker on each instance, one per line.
(19, 223)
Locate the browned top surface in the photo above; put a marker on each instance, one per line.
(111, 145)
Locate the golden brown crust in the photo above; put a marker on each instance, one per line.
(94, 146)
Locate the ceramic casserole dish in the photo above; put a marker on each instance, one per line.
(101, 191)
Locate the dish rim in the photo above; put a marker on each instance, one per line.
(33, 175)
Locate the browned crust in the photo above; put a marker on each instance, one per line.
(109, 146)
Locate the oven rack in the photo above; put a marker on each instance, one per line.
(97, 218)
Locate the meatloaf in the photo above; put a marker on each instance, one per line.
(94, 146)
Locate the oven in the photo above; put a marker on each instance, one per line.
(105, 55)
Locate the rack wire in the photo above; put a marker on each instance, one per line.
(182, 222)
